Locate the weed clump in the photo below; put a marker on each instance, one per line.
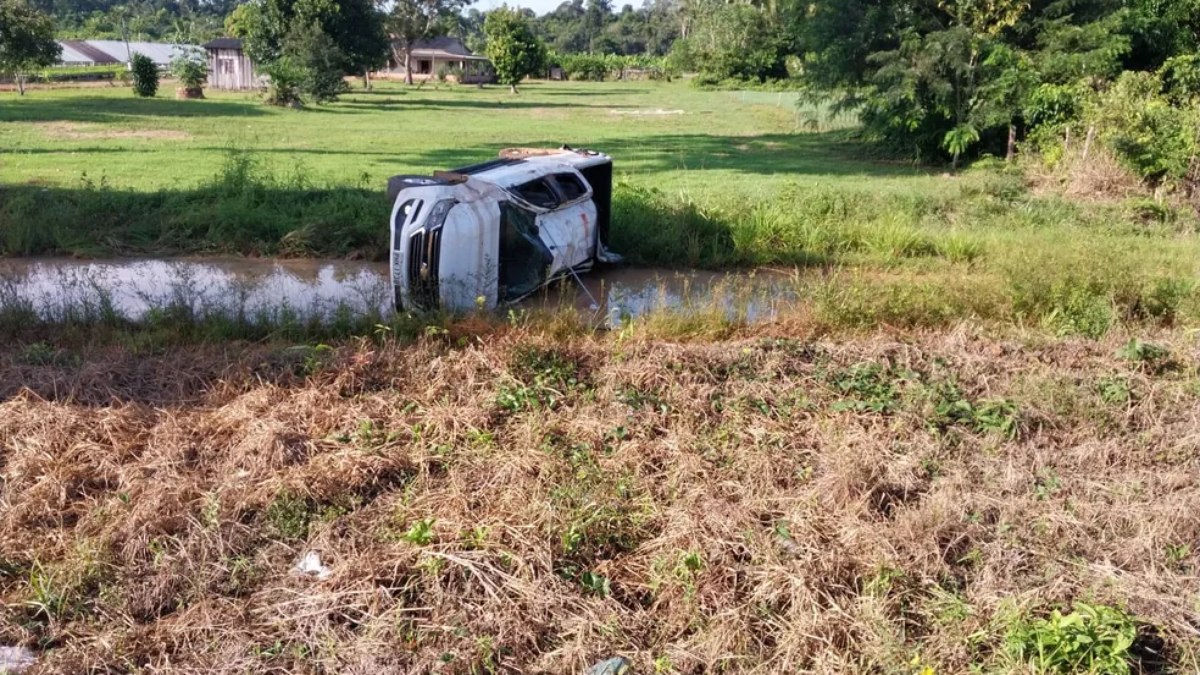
(1090, 639)
(541, 378)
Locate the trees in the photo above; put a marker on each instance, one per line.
(511, 45)
(956, 77)
(734, 41)
(354, 27)
(408, 21)
(351, 41)
(26, 40)
(577, 27)
(319, 61)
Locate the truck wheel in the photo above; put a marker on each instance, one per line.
(397, 183)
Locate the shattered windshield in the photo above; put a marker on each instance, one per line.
(524, 259)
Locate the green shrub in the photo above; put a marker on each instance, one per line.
(1092, 639)
(951, 407)
(290, 515)
(285, 79)
(1149, 134)
(145, 76)
(190, 68)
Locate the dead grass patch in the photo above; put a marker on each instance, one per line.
(75, 131)
(741, 505)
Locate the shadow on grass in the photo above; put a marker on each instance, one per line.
(830, 153)
(102, 109)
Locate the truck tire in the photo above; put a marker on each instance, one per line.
(397, 183)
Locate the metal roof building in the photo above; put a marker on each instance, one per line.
(107, 52)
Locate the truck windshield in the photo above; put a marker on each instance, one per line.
(524, 259)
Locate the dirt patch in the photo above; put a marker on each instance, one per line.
(73, 131)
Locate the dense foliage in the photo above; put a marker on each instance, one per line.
(327, 40)
(515, 51)
(965, 76)
(595, 28)
(26, 40)
(145, 75)
(183, 21)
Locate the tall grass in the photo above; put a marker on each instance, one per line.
(244, 208)
(985, 249)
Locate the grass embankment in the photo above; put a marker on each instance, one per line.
(709, 179)
(519, 502)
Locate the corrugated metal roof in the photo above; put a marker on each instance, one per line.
(443, 43)
(115, 51)
(224, 43)
(79, 51)
(445, 47)
(159, 52)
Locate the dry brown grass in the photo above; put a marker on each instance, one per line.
(79, 132)
(748, 508)
(1097, 177)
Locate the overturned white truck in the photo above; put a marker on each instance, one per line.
(492, 233)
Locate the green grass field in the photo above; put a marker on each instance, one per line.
(670, 135)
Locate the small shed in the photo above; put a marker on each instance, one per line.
(228, 65)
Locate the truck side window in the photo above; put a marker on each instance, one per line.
(524, 259)
(538, 193)
(569, 186)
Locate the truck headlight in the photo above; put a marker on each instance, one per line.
(437, 216)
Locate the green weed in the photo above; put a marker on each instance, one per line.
(1147, 355)
(1091, 639)
(1114, 389)
(420, 533)
(541, 378)
(289, 515)
(866, 387)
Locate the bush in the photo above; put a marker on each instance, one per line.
(682, 57)
(286, 77)
(1091, 639)
(190, 68)
(1149, 134)
(145, 76)
(589, 67)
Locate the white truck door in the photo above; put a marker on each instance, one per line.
(568, 224)
(573, 224)
(568, 233)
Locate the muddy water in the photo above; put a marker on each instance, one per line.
(319, 287)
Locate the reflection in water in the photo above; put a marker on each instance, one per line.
(317, 288)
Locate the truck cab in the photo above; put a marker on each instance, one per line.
(490, 234)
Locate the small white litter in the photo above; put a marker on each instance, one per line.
(658, 111)
(15, 660)
(310, 566)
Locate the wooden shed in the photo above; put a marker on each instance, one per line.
(228, 65)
